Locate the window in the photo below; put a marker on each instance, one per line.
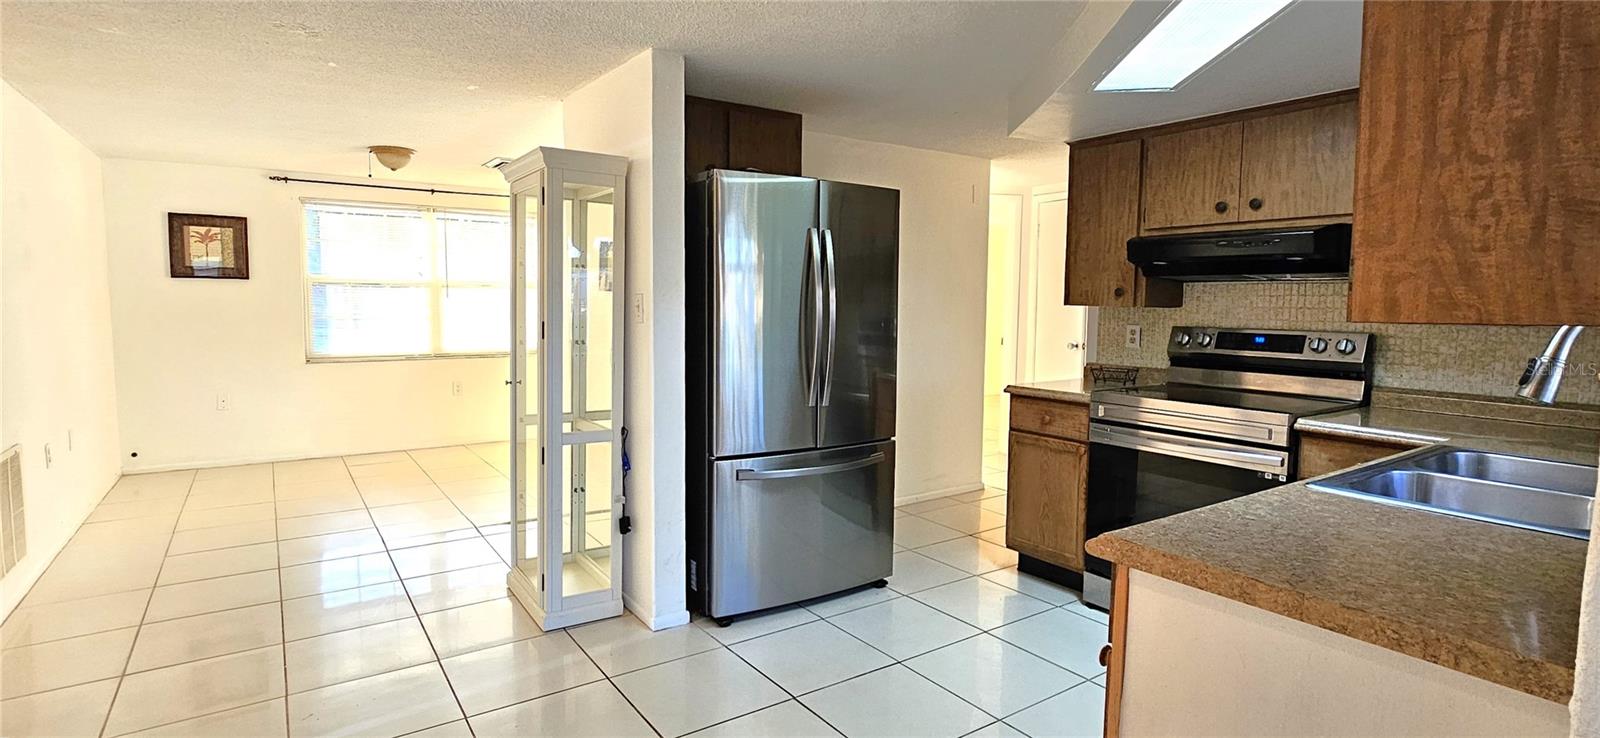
(386, 281)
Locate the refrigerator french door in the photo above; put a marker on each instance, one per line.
(792, 300)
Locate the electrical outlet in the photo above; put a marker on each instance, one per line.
(638, 307)
(47, 456)
(222, 403)
(455, 388)
(1131, 339)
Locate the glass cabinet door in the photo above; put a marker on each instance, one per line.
(567, 488)
(587, 283)
(527, 484)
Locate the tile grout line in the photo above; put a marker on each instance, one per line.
(201, 715)
(389, 554)
(816, 617)
(581, 649)
(75, 532)
(283, 626)
(609, 680)
(111, 707)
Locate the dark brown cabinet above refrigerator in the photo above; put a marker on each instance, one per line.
(724, 135)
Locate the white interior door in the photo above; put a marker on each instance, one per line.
(1057, 345)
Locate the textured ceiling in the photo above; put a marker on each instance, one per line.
(1314, 46)
(307, 86)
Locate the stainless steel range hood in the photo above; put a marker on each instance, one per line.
(1319, 253)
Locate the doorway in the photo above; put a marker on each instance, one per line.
(1030, 334)
(1057, 345)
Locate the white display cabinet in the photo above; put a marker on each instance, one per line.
(568, 212)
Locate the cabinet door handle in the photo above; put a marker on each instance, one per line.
(1118, 292)
(1222, 206)
(1255, 203)
(1105, 655)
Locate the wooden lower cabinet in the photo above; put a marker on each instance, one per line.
(1321, 455)
(1045, 498)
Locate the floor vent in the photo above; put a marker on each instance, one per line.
(13, 534)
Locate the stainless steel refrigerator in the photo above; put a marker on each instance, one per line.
(792, 287)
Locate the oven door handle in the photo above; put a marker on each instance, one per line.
(1242, 430)
(1161, 443)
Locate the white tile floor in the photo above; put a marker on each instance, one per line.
(358, 596)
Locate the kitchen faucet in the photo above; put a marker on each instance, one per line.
(1542, 379)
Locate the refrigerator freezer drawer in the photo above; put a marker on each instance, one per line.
(791, 527)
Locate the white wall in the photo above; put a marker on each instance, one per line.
(182, 342)
(1000, 302)
(944, 210)
(636, 110)
(55, 331)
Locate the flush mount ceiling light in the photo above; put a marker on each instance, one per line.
(1191, 35)
(393, 157)
(497, 162)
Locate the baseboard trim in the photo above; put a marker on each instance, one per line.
(273, 458)
(938, 493)
(653, 621)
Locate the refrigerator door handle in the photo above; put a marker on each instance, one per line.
(747, 475)
(833, 317)
(814, 277)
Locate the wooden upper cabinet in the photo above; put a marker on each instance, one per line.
(1478, 164)
(1102, 214)
(1299, 164)
(723, 135)
(1287, 164)
(763, 140)
(705, 135)
(1192, 177)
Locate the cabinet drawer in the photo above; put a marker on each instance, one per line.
(1045, 417)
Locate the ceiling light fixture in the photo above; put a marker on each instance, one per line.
(497, 162)
(1193, 34)
(393, 157)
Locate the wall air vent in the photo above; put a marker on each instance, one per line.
(13, 534)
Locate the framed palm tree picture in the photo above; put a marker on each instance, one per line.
(207, 246)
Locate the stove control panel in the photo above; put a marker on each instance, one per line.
(1322, 346)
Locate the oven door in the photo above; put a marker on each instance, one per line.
(1137, 475)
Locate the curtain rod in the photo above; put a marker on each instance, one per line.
(428, 190)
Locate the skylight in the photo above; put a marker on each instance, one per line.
(1192, 34)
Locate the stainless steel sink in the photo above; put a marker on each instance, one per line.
(1552, 475)
(1548, 496)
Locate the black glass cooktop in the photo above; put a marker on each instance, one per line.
(1291, 405)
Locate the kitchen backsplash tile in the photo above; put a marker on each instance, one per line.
(1469, 359)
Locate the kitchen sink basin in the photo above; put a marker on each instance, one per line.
(1548, 496)
(1552, 475)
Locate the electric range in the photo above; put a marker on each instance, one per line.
(1221, 427)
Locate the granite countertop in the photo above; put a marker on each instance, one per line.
(1495, 602)
(1065, 390)
(1492, 601)
(1077, 390)
(1570, 433)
